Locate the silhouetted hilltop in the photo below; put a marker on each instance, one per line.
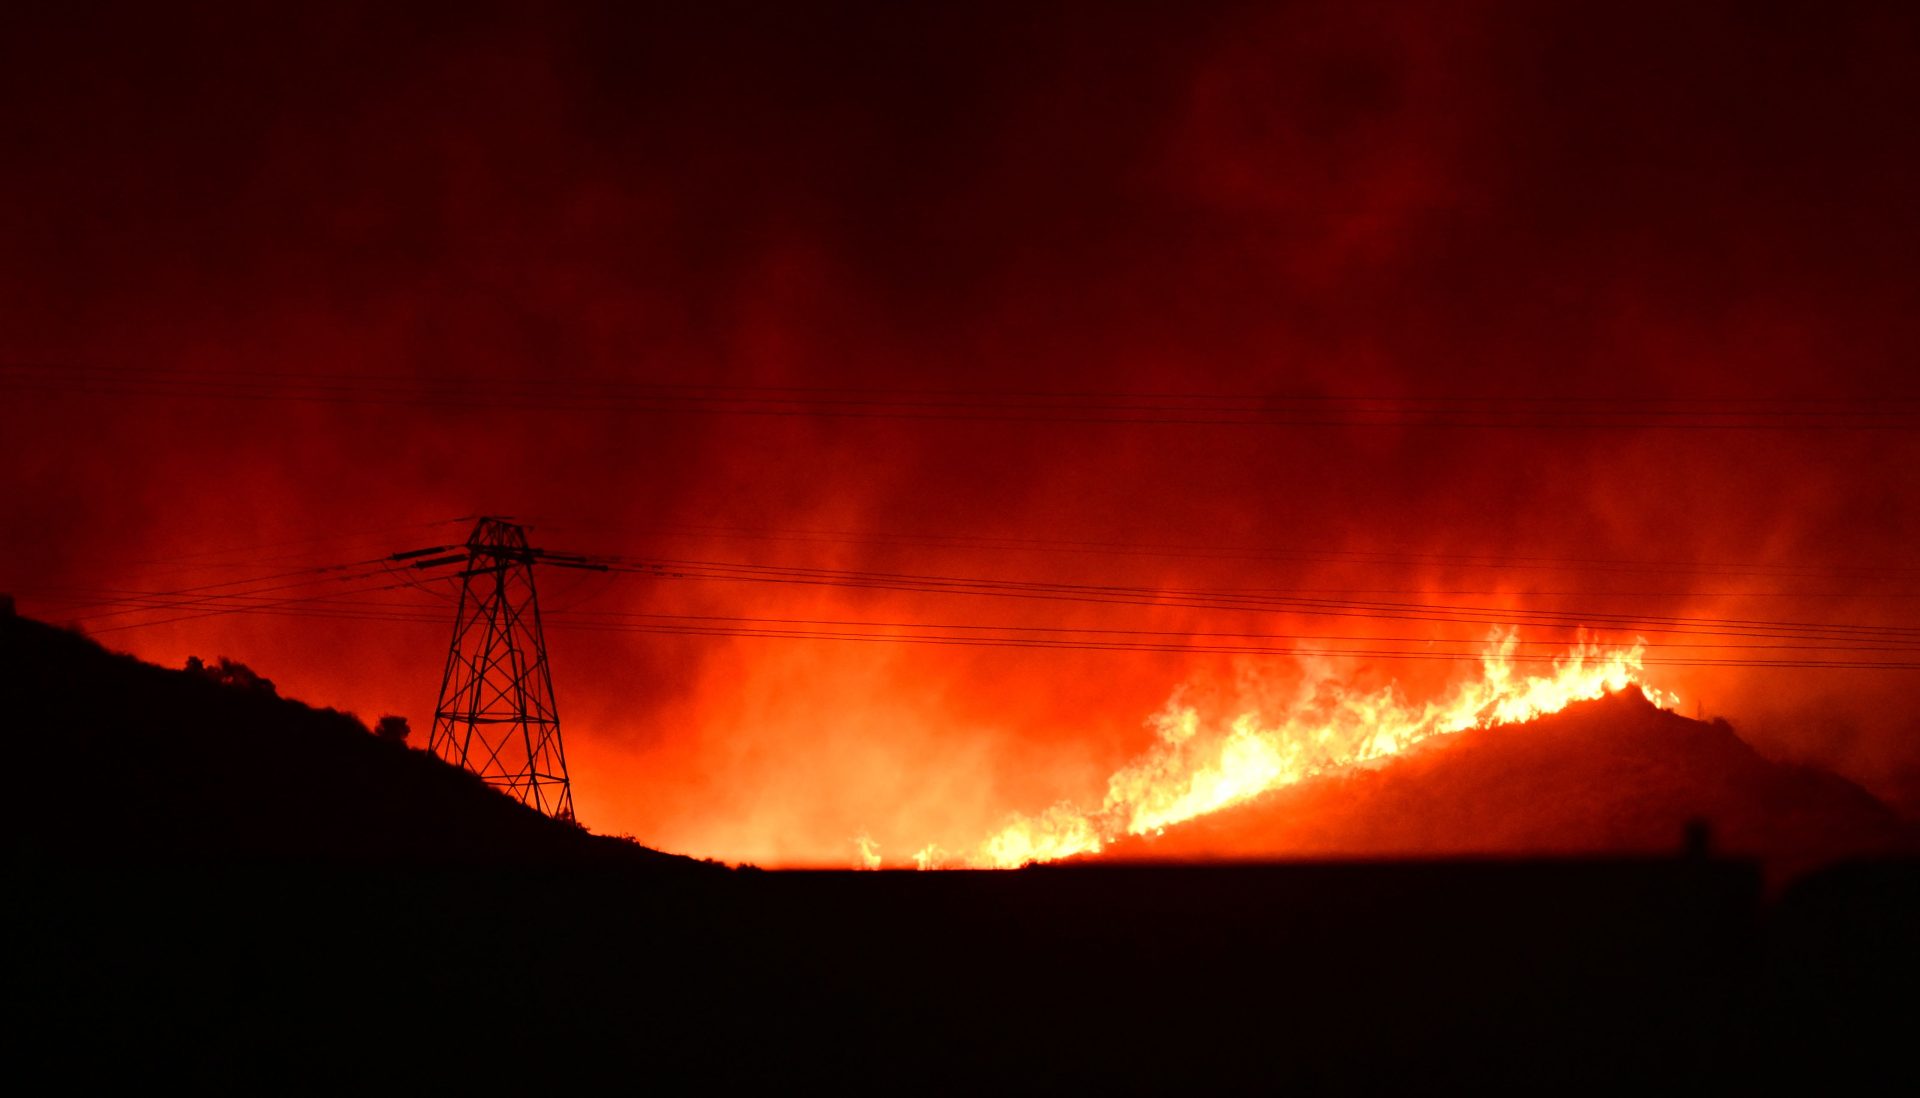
(1612, 776)
(221, 889)
(123, 761)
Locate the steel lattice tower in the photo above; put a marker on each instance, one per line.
(496, 715)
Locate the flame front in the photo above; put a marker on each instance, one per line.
(1194, 769)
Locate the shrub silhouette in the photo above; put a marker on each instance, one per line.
(232, 673)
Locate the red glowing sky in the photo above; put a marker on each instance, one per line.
(284, 290)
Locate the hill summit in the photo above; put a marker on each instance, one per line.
(128, 763)
(1610, 776)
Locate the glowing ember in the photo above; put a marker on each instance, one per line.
(1195, 769)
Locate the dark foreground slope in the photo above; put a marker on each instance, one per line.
(1613, 776)
(121, 762)
(1563, 976)
(297, 959)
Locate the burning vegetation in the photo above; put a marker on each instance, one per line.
(1203, 762)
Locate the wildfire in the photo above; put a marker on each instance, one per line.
(1196, 766)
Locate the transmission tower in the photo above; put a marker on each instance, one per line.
(496, 715)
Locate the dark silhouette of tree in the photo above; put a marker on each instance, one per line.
(231, 673)
(392, 728)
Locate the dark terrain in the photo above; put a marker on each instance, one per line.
(216, 886)
(1613, 776)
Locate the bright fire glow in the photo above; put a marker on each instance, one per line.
(1196, 767)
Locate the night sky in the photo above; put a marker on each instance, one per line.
(1605, 310)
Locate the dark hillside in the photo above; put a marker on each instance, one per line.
(1613, 776)
(223, 890)
(130, 763)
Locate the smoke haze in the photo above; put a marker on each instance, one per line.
(279, 290)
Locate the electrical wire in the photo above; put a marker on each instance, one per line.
(549, 393)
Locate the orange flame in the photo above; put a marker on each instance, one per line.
(1194, 769)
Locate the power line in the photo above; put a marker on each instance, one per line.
(1255, 410)
(1082, 638)
(1214, 600)
(1503, 562)
(251, 554)
(335, 590)
(611, 619)
(1154, 598)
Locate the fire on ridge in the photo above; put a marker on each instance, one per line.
(1200, 765)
